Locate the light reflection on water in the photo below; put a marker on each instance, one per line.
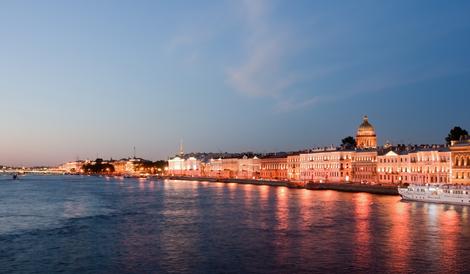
(90, 224)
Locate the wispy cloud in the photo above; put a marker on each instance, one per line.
(290, 104)
(262, 72)
(265, 70)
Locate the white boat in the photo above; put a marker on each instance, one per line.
(436, 193)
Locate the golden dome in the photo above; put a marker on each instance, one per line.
(366, 129)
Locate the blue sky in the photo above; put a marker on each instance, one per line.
(88, 78)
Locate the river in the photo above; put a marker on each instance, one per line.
(80, 224)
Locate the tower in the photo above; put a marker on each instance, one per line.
(181, 150)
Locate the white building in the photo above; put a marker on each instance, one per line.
(185, 167)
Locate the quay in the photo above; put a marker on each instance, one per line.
(344, 187)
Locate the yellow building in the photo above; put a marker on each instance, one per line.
(460, 153)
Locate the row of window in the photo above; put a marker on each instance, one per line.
(462, 161)
(364, 169)
(408, 170)
(424, 179)
(321, 174)
(462, 175)
(325, 158)
(274, 166)
(414, 159)
(364, 159)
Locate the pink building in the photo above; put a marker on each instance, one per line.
(423, 165)
(431, 166)
(393, 168)
(326, 165)
(293, 167)
(214, 168)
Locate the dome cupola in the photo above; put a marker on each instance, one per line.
(365, 137)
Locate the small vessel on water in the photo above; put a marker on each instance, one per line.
(436, 193)
(15, 176)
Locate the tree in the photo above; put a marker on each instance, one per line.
(348, 142)
(98, 167)
(455, 134)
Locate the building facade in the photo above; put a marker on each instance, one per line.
(364, 166)
(214, 168)
(420, 165)
(460, 154)
(176, 166)
(249, 168)
(119, 166)
(230, 167)
(393, 167)
(274, 168)
(72, 167)
(293, 167)
(326, 165)
(179, 166)
(430, 165)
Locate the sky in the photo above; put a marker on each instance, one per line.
(87, 79)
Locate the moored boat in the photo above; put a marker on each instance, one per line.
(436, 193)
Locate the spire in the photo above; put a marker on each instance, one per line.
(366, 119)
(181, 152)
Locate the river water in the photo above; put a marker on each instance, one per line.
(79, 224)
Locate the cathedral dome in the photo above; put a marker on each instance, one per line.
(366, 129)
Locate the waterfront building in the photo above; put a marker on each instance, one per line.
(460, 155)
(120, 166)
(184, 167)
(366, 137)
(364, 166)
(72, 167)
(343, 165)
(249, 168)
(430, 165)
(132, 166)
(293, 167)
(274, 168)
(326, 165)
(394, 167)
(193, 167)
(176, 166)
(425, 164)
(230, 167)
(214, 168)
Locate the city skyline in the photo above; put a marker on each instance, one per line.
(97, 79)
